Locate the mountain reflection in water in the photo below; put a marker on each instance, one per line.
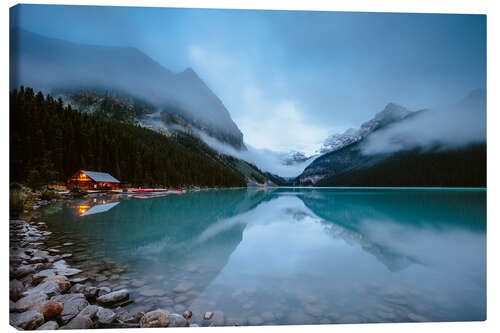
(291, 256)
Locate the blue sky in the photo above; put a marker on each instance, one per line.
(291, 78)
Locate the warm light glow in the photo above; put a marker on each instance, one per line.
(82, 209)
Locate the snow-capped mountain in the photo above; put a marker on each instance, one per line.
(294, 157)
(391, 113)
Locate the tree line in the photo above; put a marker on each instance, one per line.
(49, 142)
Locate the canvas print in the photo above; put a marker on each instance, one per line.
(175, 167)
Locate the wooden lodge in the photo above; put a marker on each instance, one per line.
(91, 180)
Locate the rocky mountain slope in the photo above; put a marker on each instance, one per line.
(131, 83)
(408, 153)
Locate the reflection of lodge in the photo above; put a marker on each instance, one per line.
(92, 180)
(94, 206)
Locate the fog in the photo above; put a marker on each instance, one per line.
(264, 159)
(448, 127)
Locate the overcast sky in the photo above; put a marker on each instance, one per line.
(291, 78)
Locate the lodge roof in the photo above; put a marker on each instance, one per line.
(100, 176)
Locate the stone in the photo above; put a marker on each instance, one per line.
(23, 270)
(78, 279)
(67, 244)
(187, 314)
(50, 325)
(38, 260)
(103, 291)
(208, 315)
(156, 318)
(61, 280)
(12, 306)
(89, 311)
(79, 322)
(124, 316)
(49, 309)
(72, 303)
(105, 316)
(30, 300)
(16, 288)
(43, 275)
(49, 288)
(113, 297)
(177, 320)
(28, 320)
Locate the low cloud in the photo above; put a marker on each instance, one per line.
(447, 127)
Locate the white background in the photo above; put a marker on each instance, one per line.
(416, 6)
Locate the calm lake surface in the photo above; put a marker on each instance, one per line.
(287, 255)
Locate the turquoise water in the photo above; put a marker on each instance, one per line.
(288, 255)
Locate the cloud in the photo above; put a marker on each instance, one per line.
(449, 127)
(276, 123)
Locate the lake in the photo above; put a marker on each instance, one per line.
(286, 255)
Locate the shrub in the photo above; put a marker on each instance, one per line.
(17, 200)
(49, 195)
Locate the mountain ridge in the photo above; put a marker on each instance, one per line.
(49, 64)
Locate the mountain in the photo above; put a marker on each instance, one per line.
(426, 148)
(294, 157)
(391, 113)
(73, 71)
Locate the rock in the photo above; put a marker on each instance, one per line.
(30, 300)
(68, 271)
(28, 320)
(61, 280)
(156, 318)
(208, 315)
(79, 322)
(38, 260)
(49, 288)
(12, 306)
(125, 317)
(72, 303)
(101, 278)
(113, 297)
(16, 288)
(103, 291)
(90, 311)
(49, 309)
(187, 314)
(78, 279)
(23, 270)
(177, 320)
(43, 275)
(105, 316)
(50, 325)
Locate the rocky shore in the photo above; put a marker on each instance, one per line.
(46, 293)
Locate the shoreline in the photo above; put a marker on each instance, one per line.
(47, 293)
